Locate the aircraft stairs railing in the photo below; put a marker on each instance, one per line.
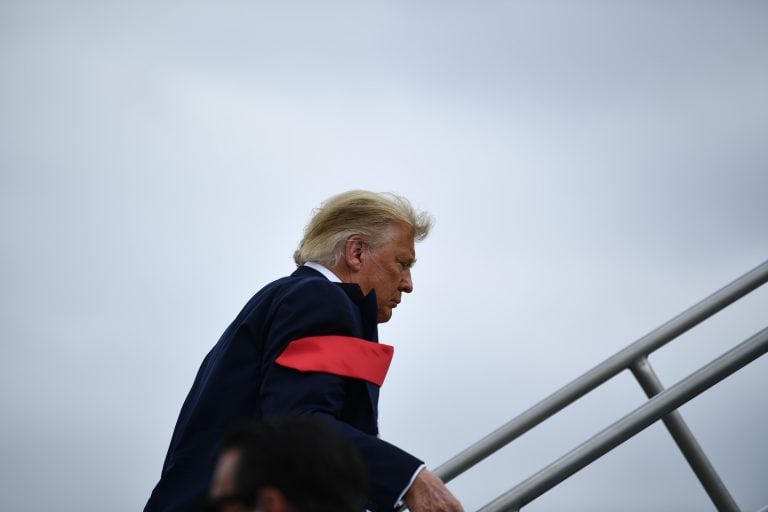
(662, 404)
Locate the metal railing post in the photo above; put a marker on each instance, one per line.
(692, 451)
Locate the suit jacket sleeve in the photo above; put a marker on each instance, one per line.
(321, 308)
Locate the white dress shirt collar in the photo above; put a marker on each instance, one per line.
(323, 270)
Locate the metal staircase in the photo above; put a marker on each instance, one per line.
(662, 404)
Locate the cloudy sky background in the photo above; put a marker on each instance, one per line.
(594, 167)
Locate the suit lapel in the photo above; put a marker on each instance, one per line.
(369, 326)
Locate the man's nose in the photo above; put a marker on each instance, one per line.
(406, 285)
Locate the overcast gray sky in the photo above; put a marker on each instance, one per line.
(594, 168)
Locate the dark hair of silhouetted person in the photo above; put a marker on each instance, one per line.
(313, 466)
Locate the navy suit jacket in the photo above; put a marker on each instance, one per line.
(240, 381)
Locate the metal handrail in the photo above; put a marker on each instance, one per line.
(631, 424)
(632, 357)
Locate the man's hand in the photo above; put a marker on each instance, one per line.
(429, 494)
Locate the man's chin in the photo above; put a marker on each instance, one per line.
(384, 315)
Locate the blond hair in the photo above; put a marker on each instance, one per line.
(357, 212)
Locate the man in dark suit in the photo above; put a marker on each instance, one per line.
(307, 344)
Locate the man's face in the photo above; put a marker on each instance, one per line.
(225, 496)
(387, 269)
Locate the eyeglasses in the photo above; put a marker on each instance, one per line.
(218, 503)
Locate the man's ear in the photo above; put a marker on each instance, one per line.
(272, 499)
(353, 252)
